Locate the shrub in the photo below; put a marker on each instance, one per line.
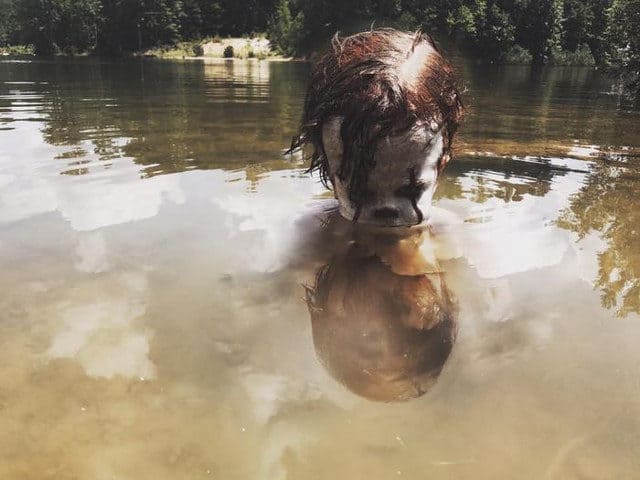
(406, 21)
(581, 56)
(285, 29)
(623, 34)
(198, 50)
(518, 56)
(228, 51)
(17, 50)
(70, 50)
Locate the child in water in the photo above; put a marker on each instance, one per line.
(381, 113)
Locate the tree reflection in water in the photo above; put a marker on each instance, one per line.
(608, 205)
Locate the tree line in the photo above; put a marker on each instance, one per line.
(602, 32)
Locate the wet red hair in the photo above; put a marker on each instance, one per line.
(381, 82)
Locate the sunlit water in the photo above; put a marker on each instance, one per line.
(154, 245)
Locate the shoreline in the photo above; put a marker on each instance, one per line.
(235, 59)
(204, 59)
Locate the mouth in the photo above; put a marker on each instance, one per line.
(396, 221)
(393, 225)
(394, 230)
(387, 217)
(382, 217)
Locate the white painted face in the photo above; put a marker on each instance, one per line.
(398, 158)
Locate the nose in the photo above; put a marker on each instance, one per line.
(386, 213)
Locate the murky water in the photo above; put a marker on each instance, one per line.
(154, 246)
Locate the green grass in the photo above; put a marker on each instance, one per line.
(180, 50)
(17, 50)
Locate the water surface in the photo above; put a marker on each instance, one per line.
(154, 243)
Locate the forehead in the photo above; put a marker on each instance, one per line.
(400, 154)
(395, 155)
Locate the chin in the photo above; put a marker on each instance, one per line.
(394, 212)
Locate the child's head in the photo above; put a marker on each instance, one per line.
(384, 336)
(381, 112)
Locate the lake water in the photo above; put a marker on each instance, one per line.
(154, 244)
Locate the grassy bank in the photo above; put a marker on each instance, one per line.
(232, 47)
(17, 50)
(215, 47)
(260, 48)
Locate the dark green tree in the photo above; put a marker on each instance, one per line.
(130, 25)
(623, 35)
(538, 27)
(77, 27)
(584, 23)
(597, 39)
(285, 29)
(484, 28)
(247, 17)
(192, 25)
(490, 29)
(576, 22)
(8, 24)
(38, 21)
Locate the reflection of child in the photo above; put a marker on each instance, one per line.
(385, 336)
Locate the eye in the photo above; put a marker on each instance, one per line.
(413, 190)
